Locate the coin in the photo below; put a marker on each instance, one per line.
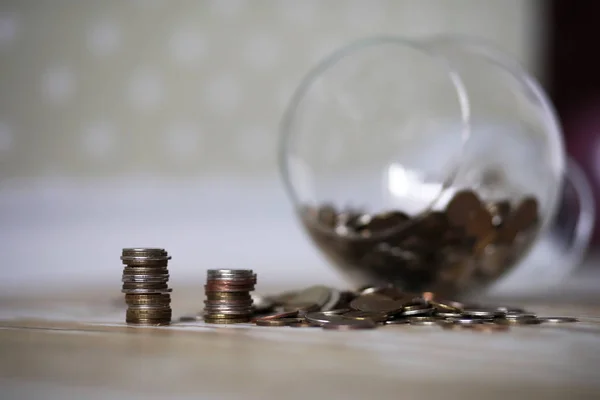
(422, 321)
(334, 298)
(324, 317)
(376, 303)
(262, 304)
(303, 324)
(141, 299)
(397, 321)
(526, 213)
(278, 322)
(461, 208)
(366, 315)
(480, 224)
(482, 312)
(313, 297)
(289, 314)
(558, 320)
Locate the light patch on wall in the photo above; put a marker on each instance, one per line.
(183, 140)
(187, 47)
(222, 94)
(365, 14)
(262, 51)
(98, 139)
(9, 26)
(6, 137)
(103, 38)
(58, 84)
(146, 89)
(227, 8)
(256, 144)
(298, 12)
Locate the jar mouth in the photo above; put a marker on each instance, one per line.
(460, 114)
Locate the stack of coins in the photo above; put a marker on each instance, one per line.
(145, 284)
(228, 299)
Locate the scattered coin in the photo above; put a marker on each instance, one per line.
(287, 314)
(376, 303)
(325, 317)
(558, 320)
(278, 322)
(366, 315)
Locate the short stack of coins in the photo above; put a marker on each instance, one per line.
(145, 284)
(228, 299)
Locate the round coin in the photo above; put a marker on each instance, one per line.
(303, 324)
(397, 321)
(461, 208)
(277, 322)
(324, 317)
(147, 291)
(376, 303)
(526, 214)
(480, 224)
(482, 312)
(290, 314)
(366, 315)
(317, 295)
(558, 320)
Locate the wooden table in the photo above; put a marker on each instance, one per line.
(77, 346)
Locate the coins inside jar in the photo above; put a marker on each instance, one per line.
(466, 246)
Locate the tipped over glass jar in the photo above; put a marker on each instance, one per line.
(432, 165)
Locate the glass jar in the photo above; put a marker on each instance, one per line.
(429, 164)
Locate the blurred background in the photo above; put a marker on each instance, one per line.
(155, 123)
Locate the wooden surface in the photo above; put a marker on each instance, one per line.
(76, 346)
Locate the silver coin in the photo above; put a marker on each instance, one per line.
(482, 312)
(231, 273)
(140, 259)
(418, 311)
(511, 310)
(149, 307)
(448, 314)
(317, 294)
(145, 278)
(262, 304)
(558, 320)
(423, 322)
(399, 321)
(143, 250)
(146, 291)
(466, 321)
(325, 317)
(334, 299)
(518, 315)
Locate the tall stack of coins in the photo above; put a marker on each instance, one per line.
(145, 284)
(228, 299)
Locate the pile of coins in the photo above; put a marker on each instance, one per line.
(464, 247)
(145, 284)
(373, 307)
(228, 299)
